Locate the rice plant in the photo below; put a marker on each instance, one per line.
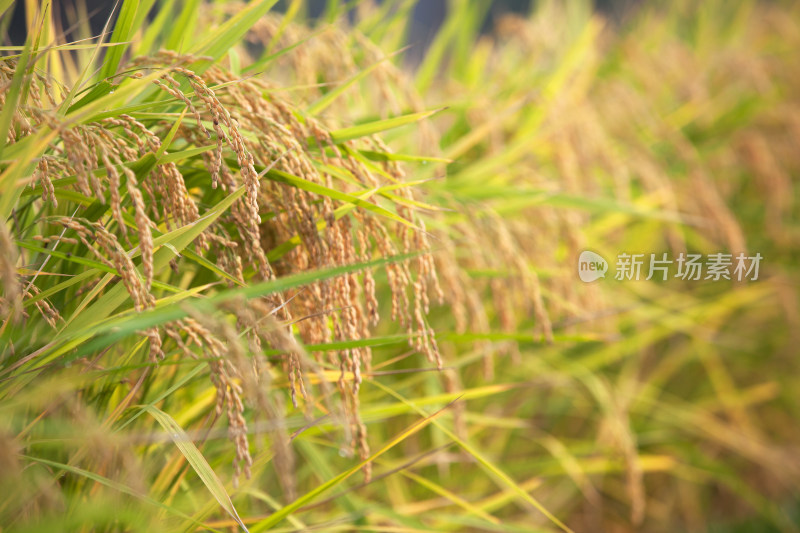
(261, 271)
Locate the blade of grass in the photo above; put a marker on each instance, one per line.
(196, 460)
(306, 185)
(263, 61)
(123, 30)
(217, 43)
(275, 518)
(487, 465)
(15, 91)
(183, 28)
(329, 97)
(371, 128)
(116, 486)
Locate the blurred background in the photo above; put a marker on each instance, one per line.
(427, 15)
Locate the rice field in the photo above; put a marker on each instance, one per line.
(266, 267)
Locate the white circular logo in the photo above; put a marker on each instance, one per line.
(591, 266)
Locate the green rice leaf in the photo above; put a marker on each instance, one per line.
(114, 485)
(371, 128)
(217, 43)
(329, 97)
(196, 460)
(123, 30)
(275, 518)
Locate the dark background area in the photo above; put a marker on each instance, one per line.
(428, 15)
